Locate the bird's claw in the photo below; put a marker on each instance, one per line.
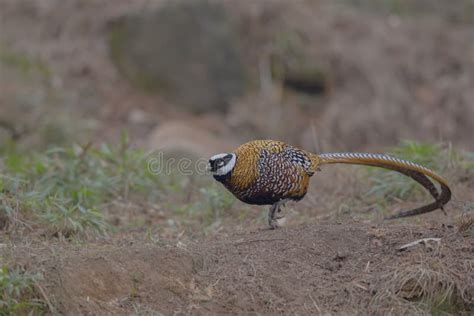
(273, 221)
(274, 224)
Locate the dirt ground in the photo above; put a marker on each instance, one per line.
(310, 269)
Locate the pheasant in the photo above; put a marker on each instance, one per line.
(267, 172)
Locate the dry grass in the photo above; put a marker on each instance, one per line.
(437, 283)
(465, 223)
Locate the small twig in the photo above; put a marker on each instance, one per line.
(361, 287)
(417, 242)
(46, 298)
(367, 266)
(315, 304)
(257, 240)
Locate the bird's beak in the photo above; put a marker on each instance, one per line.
(212, 166)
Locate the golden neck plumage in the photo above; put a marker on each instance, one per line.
(246, 167)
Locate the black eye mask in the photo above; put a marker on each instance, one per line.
(215, 164)
(227, 158)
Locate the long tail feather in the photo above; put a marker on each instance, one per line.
(415, 171)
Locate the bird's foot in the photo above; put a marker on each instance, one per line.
(274, 224)
(275, 219)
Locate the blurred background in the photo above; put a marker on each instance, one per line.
(202, 77)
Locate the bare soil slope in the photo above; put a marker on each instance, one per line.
(305, 270)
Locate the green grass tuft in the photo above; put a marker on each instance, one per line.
(209, 208)
(215, 201)
(19, 294)
(68, 189)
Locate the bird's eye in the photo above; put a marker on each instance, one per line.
(220, 163)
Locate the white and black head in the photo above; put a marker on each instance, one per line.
(221, 165)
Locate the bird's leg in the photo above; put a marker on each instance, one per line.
(272, 214)
(272, 222)
(280, 204)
